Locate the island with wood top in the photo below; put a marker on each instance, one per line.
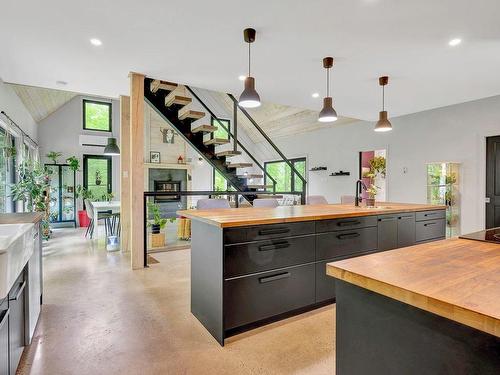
(432, 308)
(250, 266)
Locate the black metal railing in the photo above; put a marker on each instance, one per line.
(236, 194)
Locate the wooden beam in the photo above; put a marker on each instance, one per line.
(136, 172)
(125, 172)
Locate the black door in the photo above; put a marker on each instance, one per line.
(97, 175)
(493, 182)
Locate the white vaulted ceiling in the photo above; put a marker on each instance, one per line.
(200, 43)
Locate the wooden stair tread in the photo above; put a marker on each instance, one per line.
(185, 113)
(259, 186)
(216, 141)
(250, 176)
(266, 196)
(173, 98)
(228, 154)
(239, 165)
(204, 129)
(162, 85)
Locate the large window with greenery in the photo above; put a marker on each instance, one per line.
(97, 175)
(223, 128)
(96, 115)
(282, 173)
(7, 170)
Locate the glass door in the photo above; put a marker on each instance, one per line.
(97, 175)
(54, 201)
(67, 193)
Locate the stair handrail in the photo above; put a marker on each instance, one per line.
(254, 123)
(230, 134)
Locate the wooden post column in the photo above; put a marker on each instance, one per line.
(125, 172)
(136, 170)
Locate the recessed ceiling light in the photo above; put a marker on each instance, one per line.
(315, 95)
(95, 42)
(455, 42)
(242, 78)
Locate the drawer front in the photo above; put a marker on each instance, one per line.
(345, 223)
(267, 255)
(252, 298)
(348, 242)
(387, 232)
(406, 229)
(430, 215)
(265, 232)
(325, 285)
(430, 229)
(4, 336)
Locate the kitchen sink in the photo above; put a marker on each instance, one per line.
(16, 247)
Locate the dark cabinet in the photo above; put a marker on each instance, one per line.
(387, 232)
(325, 285)
(4, 337)
(344, 243)
(17, 322)
(406, 229)
(430, 230)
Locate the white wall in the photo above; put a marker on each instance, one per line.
(61, 130)
(14, 107)
(455, 133)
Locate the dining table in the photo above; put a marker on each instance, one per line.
(112, 222)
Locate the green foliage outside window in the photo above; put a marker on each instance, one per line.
(96, 115)
(282, 173)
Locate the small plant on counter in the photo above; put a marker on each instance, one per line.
(54, 155)
(74, 163)
(107, 197)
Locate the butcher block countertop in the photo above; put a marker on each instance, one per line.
(457, 279)
(236, 217)
(21, 218)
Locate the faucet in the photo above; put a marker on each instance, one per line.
(359, 186)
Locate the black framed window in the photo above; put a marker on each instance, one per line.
(97, 175)
(97, 115)
(223, 128)
(282, 173)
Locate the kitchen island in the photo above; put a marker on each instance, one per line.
(432, 308)
(250, 266)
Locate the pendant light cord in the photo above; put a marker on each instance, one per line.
(383, 98)
(249, 59)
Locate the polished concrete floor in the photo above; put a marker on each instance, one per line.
(99, 317)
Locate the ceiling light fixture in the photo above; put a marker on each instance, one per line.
(95, 42)
(455, 42)
(112, 148)
(315, 95)
(327, 114)
(383, 124)
(249, 98)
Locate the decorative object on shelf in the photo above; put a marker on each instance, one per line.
(249, 98)
(180, 160)
(98, 177)
(74, 163)
(315, 169)
(341, 173)
(112, 148)
(327, 114)
(168, 135)
(383, 124)
(443, 188)
(154, 157)
(54, 155)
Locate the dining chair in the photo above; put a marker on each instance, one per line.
(265, 202)
(210, 204)
(347, 199)
(313, 200)
(94, 217)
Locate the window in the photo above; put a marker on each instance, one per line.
(220, 182)
(97, 175)
(96, 115)
(282, 173)
(223, 128)
(7, 170)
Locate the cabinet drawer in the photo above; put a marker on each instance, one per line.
(253, 298)
(345, 223)
(4, 336)
(325, 285)
(430, 215)
(266, 255)
(430, 229)
(265, 232)
(347, 242)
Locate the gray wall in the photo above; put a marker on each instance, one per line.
(13, 106)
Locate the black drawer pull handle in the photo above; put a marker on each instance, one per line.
(19, 291)
(4, 317)
(387, 219)
(279, 276)
(348, 222)
(431, 213)
(264, 232)
(274, 246)
(348, 235)
(427, 224)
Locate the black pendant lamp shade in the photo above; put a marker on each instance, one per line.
(327, 114)
(112, 148)
(249, 98)
(383, 124)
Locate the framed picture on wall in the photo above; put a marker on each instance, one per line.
(154, 157)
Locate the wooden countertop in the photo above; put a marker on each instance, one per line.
(235, 217)
(21, 218)
(457, 279)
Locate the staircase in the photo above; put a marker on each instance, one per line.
(173, 103)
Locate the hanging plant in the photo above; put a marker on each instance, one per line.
(53, 155)
(74, 163)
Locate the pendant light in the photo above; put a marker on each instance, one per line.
(112, 148)
(249, 98)
(383, 124)
(327, 114)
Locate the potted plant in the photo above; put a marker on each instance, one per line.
(83, 193)
(107, 197)
(98, 177)
(372, 191)
(54, 155)
(157, 223)
(74, 163)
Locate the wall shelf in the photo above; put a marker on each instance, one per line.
(317, 169)
(340, 173)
